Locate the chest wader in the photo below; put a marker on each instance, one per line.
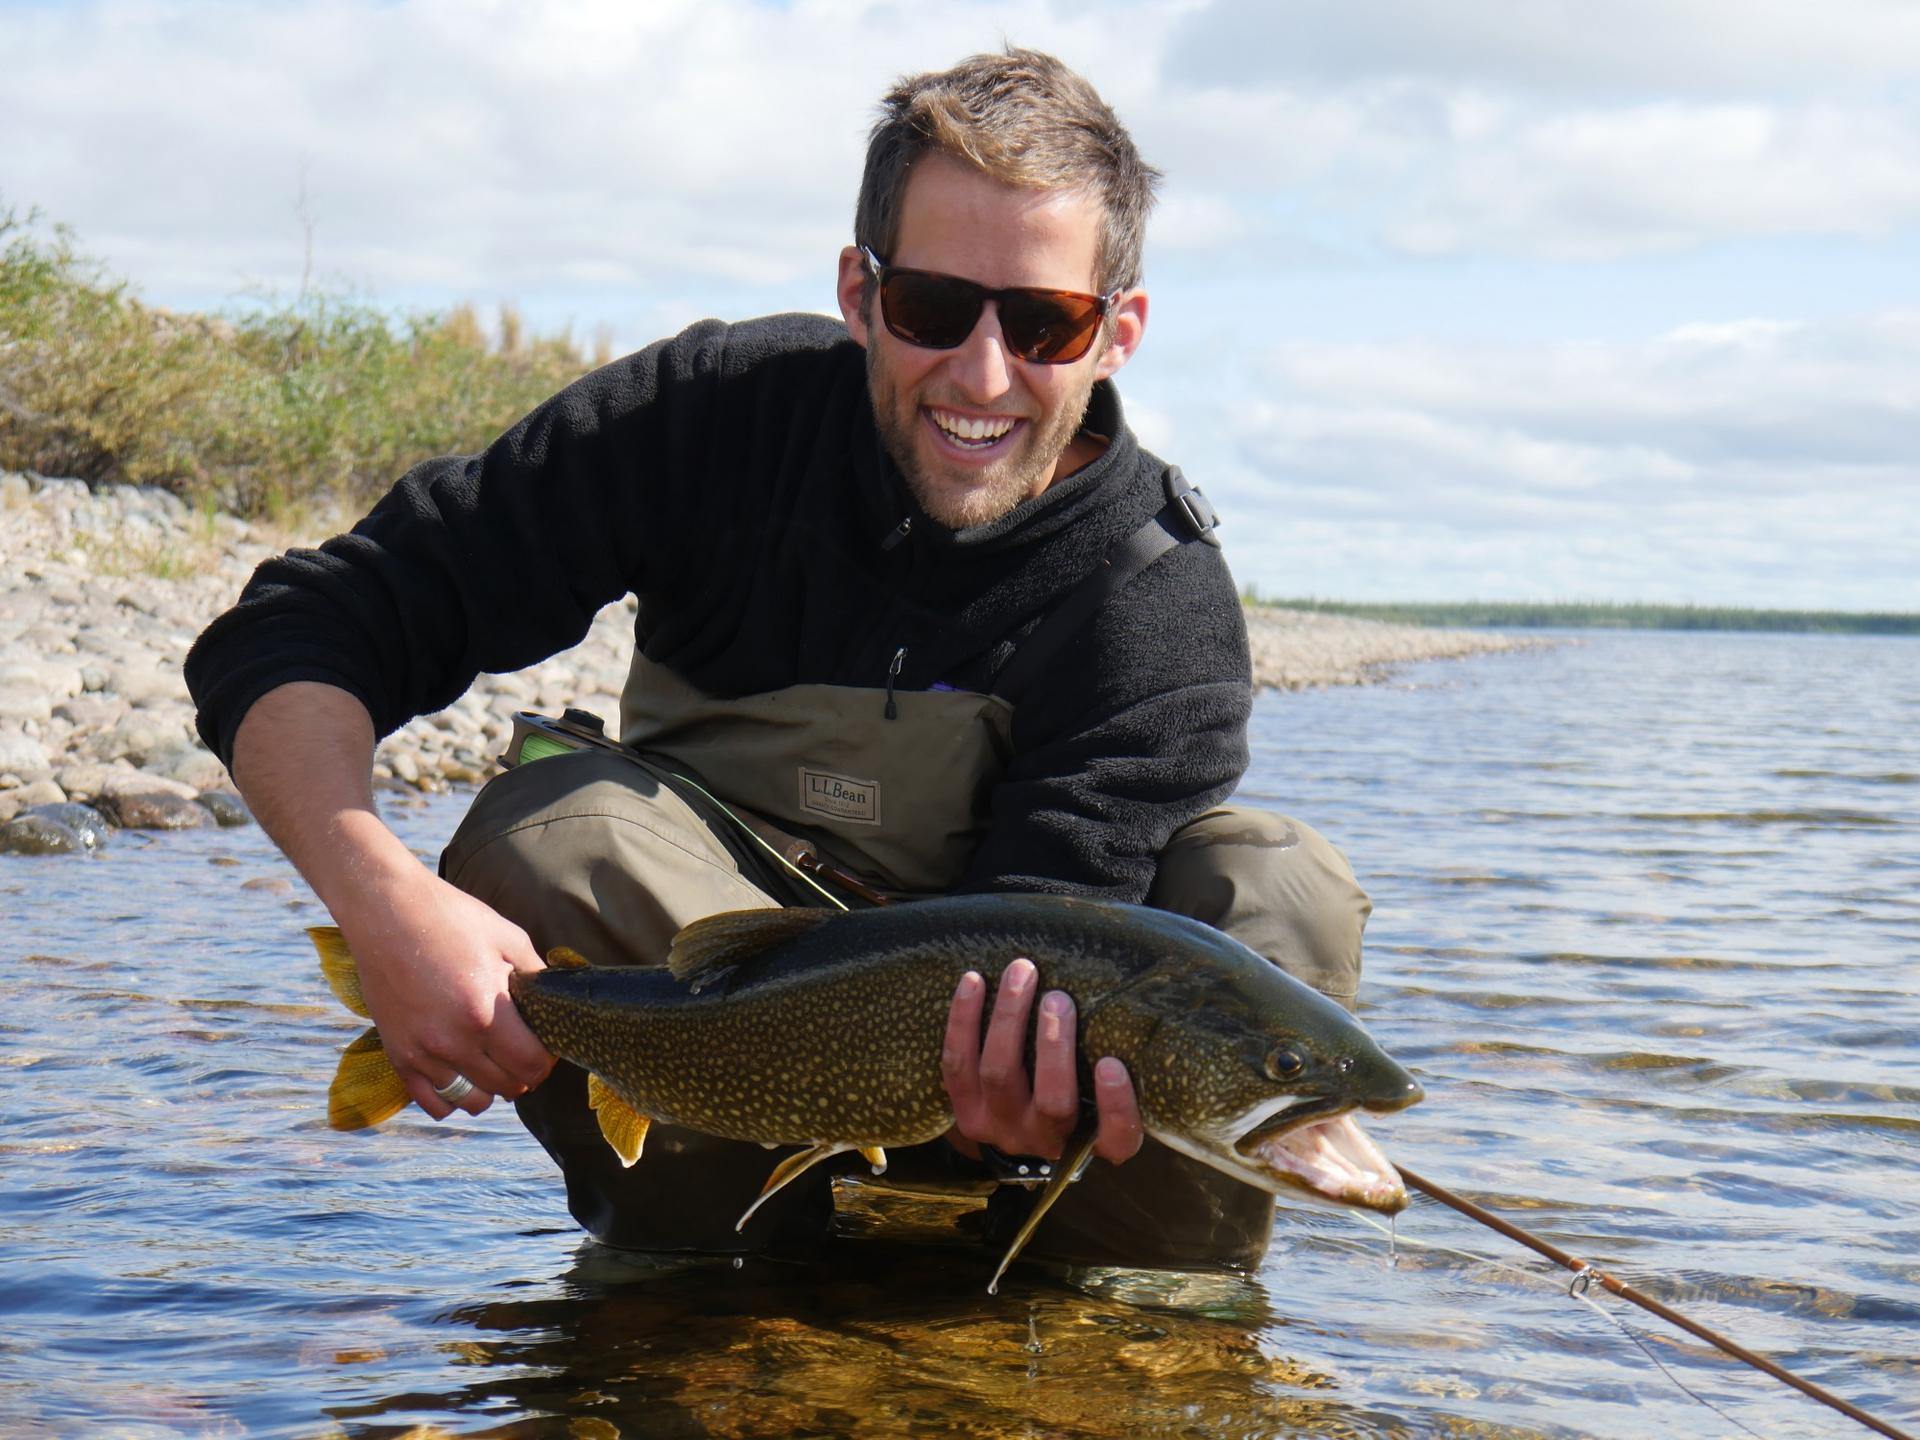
(812, 795)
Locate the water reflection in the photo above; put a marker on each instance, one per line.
(875, 1340)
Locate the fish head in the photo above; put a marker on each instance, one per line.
(1260, 1076)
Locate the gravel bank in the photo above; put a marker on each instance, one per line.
(102, 592)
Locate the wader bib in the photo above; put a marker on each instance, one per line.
(894, 788)
(611, 853)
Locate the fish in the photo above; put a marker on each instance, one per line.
(822, 1029)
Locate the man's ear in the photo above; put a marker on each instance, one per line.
(852, 290)
(1126, 327)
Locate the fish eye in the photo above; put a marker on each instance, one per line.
(1284, 1062)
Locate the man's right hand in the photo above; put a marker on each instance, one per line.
(434, 964)
(433, 960)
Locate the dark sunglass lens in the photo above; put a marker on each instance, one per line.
(1051, 328)
(937, 311)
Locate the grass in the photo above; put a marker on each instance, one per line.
(316, 403)
(1505, 614)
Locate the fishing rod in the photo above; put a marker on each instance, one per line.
(1586, 1273)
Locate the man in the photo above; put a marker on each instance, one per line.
(847, 543)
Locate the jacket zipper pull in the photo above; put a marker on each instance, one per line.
(897, 534)
(893, 673)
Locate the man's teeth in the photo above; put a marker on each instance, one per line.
(972, 428)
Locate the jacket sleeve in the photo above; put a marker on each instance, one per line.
(478, 563)
(1139, 727)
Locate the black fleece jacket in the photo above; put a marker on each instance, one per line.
(732, 478)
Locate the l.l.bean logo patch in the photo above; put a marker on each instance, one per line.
(840, 797)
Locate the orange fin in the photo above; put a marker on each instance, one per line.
(366, 1088)
(625, 1127)
(336, 963)
(565, 957)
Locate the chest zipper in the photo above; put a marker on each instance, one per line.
(893, 674)
(897, 534)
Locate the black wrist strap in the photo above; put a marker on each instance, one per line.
(1015, 1169)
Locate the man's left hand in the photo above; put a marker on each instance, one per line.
(994, 1100)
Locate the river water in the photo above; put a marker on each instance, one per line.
(1647, 926)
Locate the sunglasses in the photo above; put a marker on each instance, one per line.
(938, 312)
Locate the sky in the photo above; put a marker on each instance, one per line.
(1489, 299)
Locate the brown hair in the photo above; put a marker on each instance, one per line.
(1024, 119)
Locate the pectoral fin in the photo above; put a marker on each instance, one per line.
(791, 1168)
(1079, 1148)
(876, 1157)
(366, 1088)
(625, 1127)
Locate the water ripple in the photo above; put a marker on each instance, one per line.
(1646, 912)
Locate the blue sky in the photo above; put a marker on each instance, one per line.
(1521, 299)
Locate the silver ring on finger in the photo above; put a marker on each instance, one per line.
(455, 1090)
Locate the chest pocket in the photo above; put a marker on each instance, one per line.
(902, 802)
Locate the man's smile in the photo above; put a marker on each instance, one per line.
(973, 434)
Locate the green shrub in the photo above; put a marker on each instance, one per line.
(319, 401)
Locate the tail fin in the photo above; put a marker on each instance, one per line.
(366, 1088)
(336, 963)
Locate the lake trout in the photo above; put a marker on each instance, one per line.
(822, 1029)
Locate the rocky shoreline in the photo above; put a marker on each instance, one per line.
(102, 592)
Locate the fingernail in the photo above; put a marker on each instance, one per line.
(1056, 1003)
(1110, 1071)
(1019, 976)
(969, 986)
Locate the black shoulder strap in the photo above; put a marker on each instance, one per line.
(1185, 517)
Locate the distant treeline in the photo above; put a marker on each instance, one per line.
(283, 404)
(1578, 615)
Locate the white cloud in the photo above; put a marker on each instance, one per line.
(1553, 129)
(1588, 184)
(1758, 462)
(678, 151)
(1436, 201)
(1628, 49)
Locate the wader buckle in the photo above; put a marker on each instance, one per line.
(1200, 515)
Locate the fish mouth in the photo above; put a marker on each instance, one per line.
(1319, 1148)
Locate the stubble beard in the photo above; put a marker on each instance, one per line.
(988, 493)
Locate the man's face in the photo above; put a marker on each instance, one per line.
(927, 402)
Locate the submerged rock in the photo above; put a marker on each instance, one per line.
(226, 807)
(32, 834)
(84, 821)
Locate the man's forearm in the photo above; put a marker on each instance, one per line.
(434, 963)
(303, 758)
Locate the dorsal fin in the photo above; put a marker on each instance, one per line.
(707, 949)
(565, 957)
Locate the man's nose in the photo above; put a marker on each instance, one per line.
(981, 367)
